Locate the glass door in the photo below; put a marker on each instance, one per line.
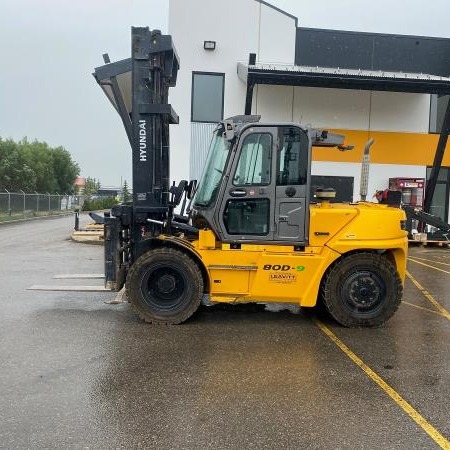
(439, 204)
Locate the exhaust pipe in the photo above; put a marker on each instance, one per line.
(364, 184)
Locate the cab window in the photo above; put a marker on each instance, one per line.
(248, 216)
(255, 160)
(292, 157)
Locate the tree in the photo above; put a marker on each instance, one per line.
(35, 166)
(39, 156)
(15, 172)
(91, 186)
(126, 196)
(65, 170)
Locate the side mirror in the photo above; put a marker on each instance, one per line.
(191, 188)
(177, 192)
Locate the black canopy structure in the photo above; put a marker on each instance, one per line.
(355, 79)
(115, 79)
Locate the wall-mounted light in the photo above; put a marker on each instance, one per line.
(209, 45)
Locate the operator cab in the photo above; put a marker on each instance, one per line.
(255, 184)
(256, 181)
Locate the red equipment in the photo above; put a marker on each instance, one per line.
(412, 190)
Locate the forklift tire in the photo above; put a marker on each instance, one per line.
(362, 290)
(165, 286)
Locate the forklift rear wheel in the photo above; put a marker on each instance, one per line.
(362, 290)
(165, 286)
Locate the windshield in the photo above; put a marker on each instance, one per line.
(213, 171)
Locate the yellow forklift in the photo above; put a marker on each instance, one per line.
(250, 233)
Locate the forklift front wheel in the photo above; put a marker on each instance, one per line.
(362, 290)
(165, 286)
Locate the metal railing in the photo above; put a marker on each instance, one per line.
(20, 204)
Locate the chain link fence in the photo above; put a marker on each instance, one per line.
(16, 205)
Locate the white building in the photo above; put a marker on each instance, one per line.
(403, 124)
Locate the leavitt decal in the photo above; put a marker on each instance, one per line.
(284, 278)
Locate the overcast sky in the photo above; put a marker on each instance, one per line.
(48, 49)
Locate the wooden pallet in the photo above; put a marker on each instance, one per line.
(434, 243)
(88, 237)
(94, 227)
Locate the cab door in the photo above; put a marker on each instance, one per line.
(292, 185)
(248, 206)
(267, 191)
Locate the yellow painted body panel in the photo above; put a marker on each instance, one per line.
(277, 273)
(373, 227)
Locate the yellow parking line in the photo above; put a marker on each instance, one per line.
(398, 399)
(429, 260)
(429, 297)
(423, 309)
(427, 265)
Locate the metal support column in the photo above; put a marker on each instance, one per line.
(250, 86)
(24, 202)
(249, 98)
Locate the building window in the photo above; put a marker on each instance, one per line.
(437, 112)
(207, 96)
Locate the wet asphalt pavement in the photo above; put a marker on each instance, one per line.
(78, 373)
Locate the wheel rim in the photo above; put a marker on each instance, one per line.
(163, 288)
(363, 292)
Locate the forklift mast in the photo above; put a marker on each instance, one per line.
(138, 89)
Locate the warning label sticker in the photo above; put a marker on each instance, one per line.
(283, 278)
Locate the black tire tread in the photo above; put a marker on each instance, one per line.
(132, 287)
(331, 303)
